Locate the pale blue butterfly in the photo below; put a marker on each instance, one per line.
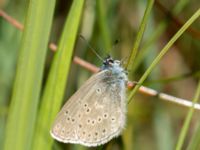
(97, 111)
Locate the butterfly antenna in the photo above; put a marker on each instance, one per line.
(93, 50)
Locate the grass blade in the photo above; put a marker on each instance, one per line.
(139, 35)
(195, 141)
(103, 25)
(187, 120)
(27, 86)
(145, 51)
(55, 86)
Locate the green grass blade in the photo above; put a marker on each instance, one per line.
(103, 25)
(181, 4)
(139, 35)
(55, 86)
(195, 141)
(163, 52)
(27, 86)
(187, 120)
(145, 51)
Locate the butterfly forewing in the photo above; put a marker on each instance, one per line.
(94, 114)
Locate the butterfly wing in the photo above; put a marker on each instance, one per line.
(94, 114)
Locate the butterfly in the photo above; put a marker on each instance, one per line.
(96, 113)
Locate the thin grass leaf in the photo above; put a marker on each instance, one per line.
(103, 25)
(139, 35)
(145, 51)
(55, 86)
(163, 52)
(27, 86)
(188, 120)
(181, 4)
(195, 141)
(7, 73)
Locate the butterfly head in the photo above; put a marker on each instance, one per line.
(109, 62)
(115, 67)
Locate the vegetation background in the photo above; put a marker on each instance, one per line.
(35, 81)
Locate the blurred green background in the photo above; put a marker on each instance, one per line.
(152, 124)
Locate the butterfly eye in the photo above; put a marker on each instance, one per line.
(108, 61)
